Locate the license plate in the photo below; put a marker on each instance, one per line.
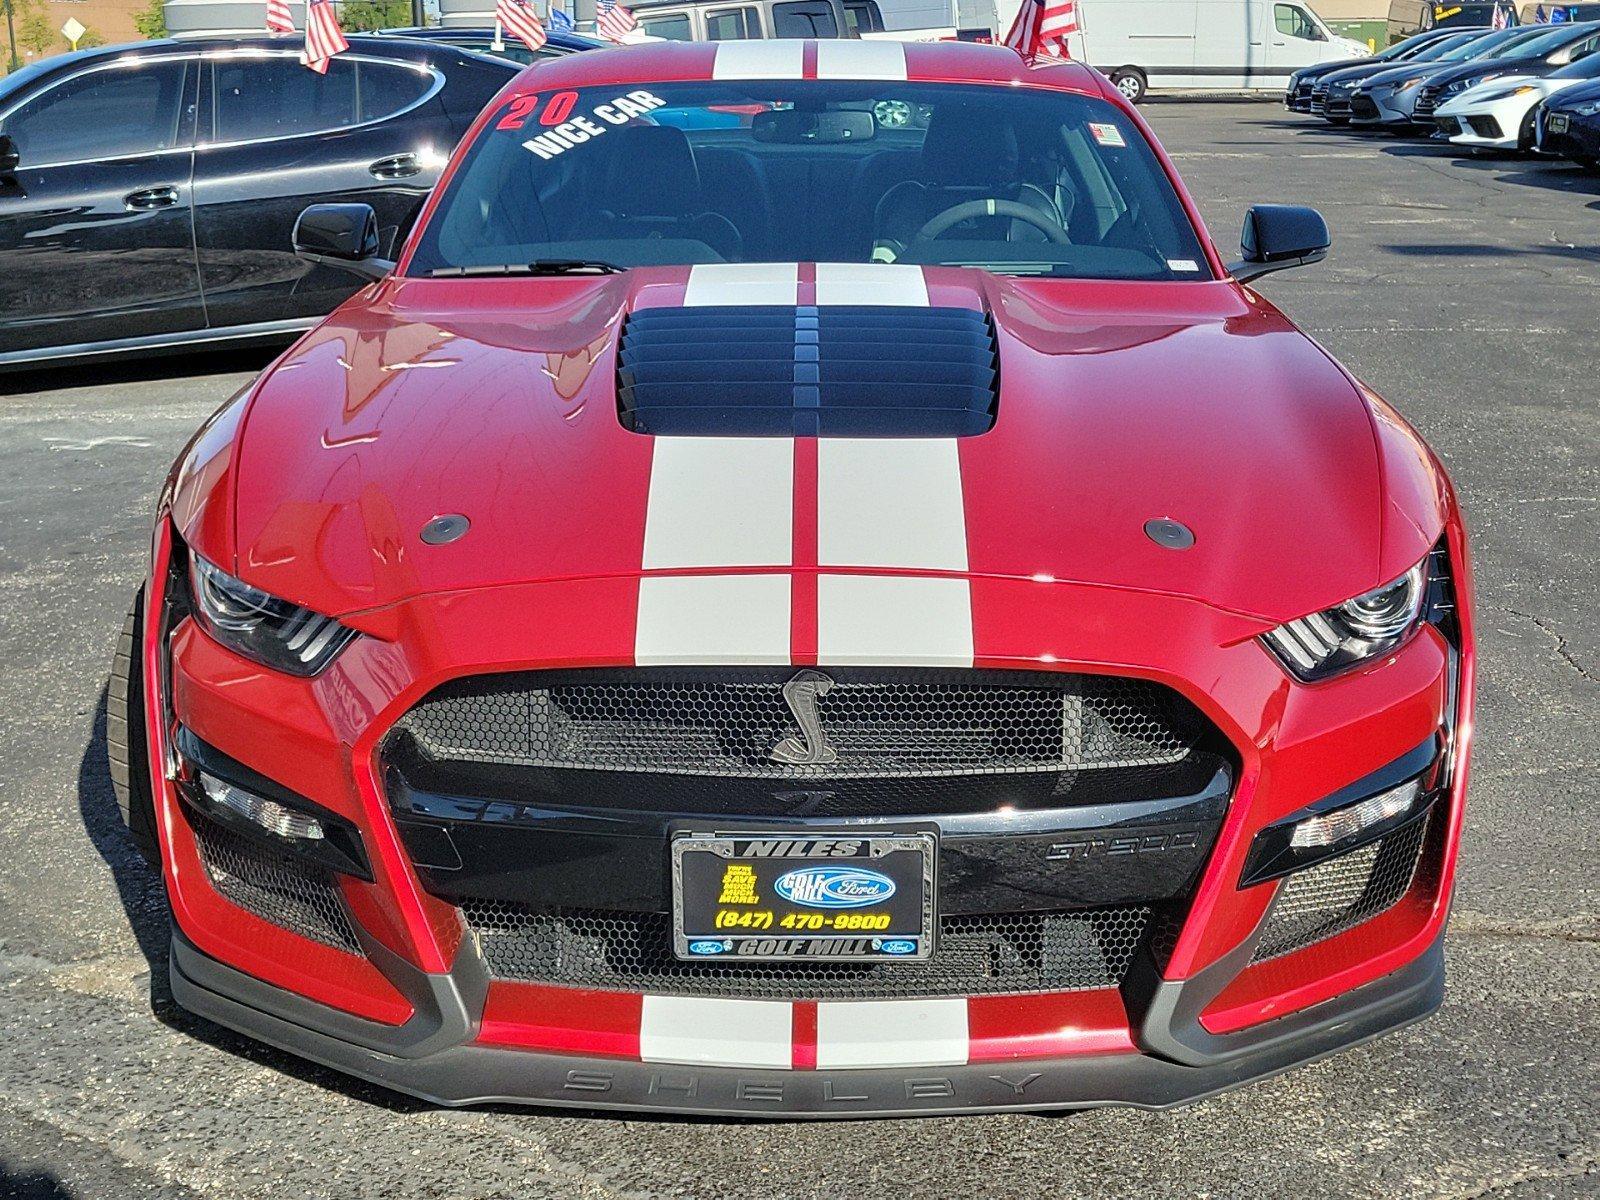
(1557, 123)
(820, 897)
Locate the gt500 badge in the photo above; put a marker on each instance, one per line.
(834, 887)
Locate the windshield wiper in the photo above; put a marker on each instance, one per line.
(539, 266)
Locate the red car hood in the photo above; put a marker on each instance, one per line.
(1119, 403)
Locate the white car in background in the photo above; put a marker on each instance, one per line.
(1498, 113)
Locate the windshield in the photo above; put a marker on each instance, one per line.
(1013, 180)
(1584, 67)
(1455, 49)
(1550, 42)
(1518, 43)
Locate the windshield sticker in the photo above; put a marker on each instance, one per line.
(1106, 135)
(567, 131)
(1182, 264)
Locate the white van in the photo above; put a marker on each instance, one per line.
(1219, 45)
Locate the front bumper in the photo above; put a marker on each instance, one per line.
(1387, 107)
(401, 991)
(1580, 139)
(433, 1056)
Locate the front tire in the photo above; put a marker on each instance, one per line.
(1131, 82)
(126, 749)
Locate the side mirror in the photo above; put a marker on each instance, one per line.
(1279, 236)
(9, 158)
(341, 235)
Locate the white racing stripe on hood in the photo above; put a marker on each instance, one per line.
(775, 59)
(871, 283)
(890, 502)
(712, 620)
(878, 620)
(742, 283)
(839, 59)
(720, 502)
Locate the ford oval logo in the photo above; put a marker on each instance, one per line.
(834, 887)
(898, 946)
(708, 947)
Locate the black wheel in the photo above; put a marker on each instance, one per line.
(1131, 82)
(125, 735)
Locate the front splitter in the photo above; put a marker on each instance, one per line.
(434, 1058)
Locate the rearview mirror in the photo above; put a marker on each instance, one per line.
(341, 235)
(796, 126)
(9, 158)
(1279, 236)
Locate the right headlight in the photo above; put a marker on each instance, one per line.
(1333, 640)
(275, 633)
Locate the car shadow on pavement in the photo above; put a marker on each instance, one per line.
(141, 370)
(21, 1184)
(1584, 254)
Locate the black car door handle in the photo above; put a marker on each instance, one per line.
(148, 198)
(401, 166)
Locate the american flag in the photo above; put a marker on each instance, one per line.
(324, 38)
(561, 20)
(1042, 28)
(613, 22)
(278, 18)
(518, 17)
(1502, 18)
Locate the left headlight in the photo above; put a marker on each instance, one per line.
(1335, 639)
(260, 626)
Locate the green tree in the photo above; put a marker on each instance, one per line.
(91, 37)
(151, 20)
(363, 16)
(33, 29)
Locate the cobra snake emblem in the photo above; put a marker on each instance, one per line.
(811, 748)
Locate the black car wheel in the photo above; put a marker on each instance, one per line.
(125, 737)
(1131, 82)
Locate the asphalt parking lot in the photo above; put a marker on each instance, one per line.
(1461, 289)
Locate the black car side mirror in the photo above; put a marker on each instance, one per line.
(341, 235)
(9, 158)
(1279, 236)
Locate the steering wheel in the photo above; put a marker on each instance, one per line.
(942, 223)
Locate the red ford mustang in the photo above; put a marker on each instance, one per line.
(808, 589)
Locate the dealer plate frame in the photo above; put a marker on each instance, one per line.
(882, 842)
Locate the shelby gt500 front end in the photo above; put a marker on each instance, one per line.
(1013, 672)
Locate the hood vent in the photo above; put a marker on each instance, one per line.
(835, 371)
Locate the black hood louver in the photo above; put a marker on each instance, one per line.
(834, 371)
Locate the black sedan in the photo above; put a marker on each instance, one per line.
(148, 192)
(1331, 93)
(1568, 124)
(1297, 95)
(1540, 56)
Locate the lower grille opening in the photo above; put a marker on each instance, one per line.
(275, 887)
(1321, 901)
(977, 955)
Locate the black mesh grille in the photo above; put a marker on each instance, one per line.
(275, 887)
(1336, 895)
(992, 954)
(1485, 126)
(778, 371)
(881, 724)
